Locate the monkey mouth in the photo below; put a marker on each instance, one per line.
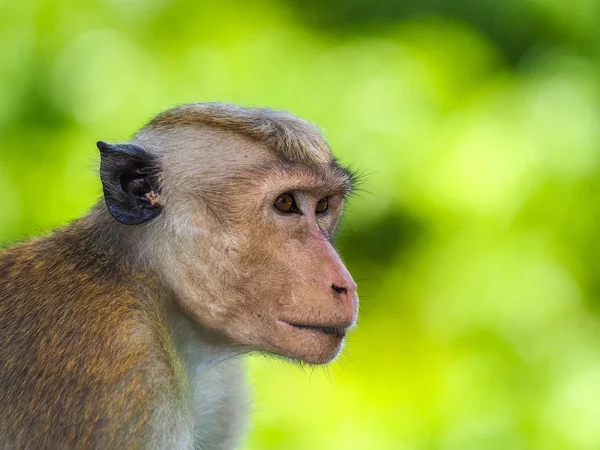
(337, 331)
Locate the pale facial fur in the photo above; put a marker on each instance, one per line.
(238, 266)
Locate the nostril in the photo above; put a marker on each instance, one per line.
(339, 289)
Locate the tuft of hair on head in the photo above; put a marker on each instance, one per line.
(292, 138)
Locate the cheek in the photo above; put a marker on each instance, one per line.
(256, 292)
(249, 286)
(266, 284)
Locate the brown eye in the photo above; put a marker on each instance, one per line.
(322, 206)
(286, 204)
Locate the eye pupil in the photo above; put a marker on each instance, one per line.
(285, 203)
(322, 206)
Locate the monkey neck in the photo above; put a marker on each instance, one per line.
(198, 348)
(123, 243)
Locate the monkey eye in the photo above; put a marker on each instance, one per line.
(286, 204)
(322, 206)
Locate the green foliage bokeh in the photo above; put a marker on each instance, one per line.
(473, 239)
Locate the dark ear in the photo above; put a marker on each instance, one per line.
(130, 180)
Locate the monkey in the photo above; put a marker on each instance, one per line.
(213, 239)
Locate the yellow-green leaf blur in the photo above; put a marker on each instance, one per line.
(473, 238)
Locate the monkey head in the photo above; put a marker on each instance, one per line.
(235, 210)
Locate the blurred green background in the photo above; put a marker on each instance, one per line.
(474, 241)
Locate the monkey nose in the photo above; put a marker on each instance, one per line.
(345, 289)
(345, 293)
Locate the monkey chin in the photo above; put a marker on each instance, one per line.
(313, 345)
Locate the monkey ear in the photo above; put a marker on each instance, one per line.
(130, 180)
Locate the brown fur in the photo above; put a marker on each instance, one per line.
(108, 331)
(83, 347)
(290, 137)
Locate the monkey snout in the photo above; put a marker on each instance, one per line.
(339, 289)
(345, 292)
(344, 286)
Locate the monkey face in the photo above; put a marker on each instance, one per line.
(308, 295)
(248, 247)
(269, 278)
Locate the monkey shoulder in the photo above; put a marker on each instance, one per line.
(84, 358)
(87, 360)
